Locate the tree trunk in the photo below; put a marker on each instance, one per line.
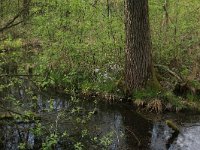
(1, 9)
(138, 61)
(26, 9)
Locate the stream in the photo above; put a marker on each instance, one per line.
(128, 128)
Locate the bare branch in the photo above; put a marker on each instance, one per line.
(18, 75)
(10, 24)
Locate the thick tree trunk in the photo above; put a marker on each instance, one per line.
(138, 62)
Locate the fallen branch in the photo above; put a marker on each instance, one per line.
(174, 135)
(171, 125)
(170, 71)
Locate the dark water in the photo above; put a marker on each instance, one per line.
(129, 128)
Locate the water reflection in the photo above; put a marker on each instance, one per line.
(14, 134)
(189, 139)
(130, 131)
(56, 104)
(161, 133)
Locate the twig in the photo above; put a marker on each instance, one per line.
(139, 143)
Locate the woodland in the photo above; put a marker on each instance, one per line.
(142, 53)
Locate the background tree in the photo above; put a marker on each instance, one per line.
(26, 9)
(138, 62)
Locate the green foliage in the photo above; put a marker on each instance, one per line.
(146, 94)
(195, 84)
(173, 39)
(78, 146)
(82, 39)
(37, 131)
(22, 146)
(176, 102)
(77, 38)
(50, 142)
(106, 140)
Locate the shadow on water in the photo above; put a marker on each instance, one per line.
(130, 130)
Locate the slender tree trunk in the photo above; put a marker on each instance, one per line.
(138, 62)
(108, 8)
(1, 9)
(26, 9)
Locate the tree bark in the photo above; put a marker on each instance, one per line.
(138, 61)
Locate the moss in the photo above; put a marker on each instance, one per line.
(171, 125)
(153, 82)
(174, 135)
